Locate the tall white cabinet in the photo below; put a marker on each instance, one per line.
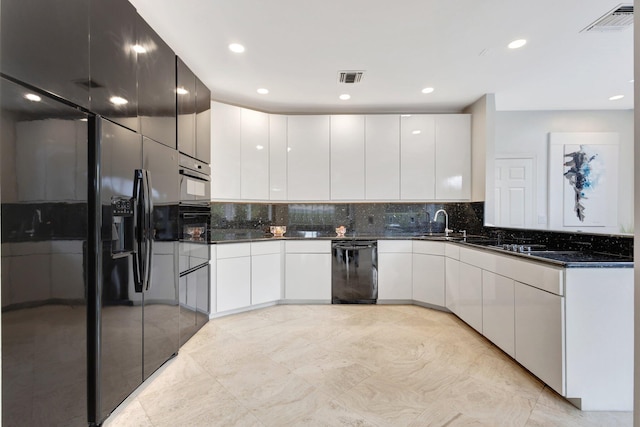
(225, 151)
(417, 157)
(453, 157)
(347, 157)
(254, 137)
(308, 158)
(382, 157)
(277, 157)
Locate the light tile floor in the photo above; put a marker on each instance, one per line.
(347, 365)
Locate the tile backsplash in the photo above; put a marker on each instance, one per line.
(252, 220)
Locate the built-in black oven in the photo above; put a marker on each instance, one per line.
(195, 198)
(195, 231)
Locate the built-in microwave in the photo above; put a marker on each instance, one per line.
(195, 181)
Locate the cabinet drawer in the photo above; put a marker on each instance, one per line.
(395, 246)
(265, 248)
(234, 250)
(547, 278)
(483, 259)
(308, 247)
(428, 248)
(452, 251)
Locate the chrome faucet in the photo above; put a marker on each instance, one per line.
(446, 221)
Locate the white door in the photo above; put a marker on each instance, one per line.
(514, 192)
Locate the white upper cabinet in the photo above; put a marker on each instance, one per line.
(225, 151)
(386, 157)
(308, 158)
(382, 157)
(347, 157)
(453, 157)
(417, 157)
(277, 157)
(254, 137)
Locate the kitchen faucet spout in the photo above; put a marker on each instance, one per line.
(446, 221)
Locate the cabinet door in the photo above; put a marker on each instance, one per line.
(188, 319)
(347, 157)
(453, 157)
(382, 154)
(452, 284)
(277, 157)
(308, 277)
(417, 157)
(225, 151)
(156, 86)
(114, 84)
(428, 279)
(266, 278)
(233, 283)
(45, 43)
(498, 311)
(203, 122)
(538, 331)
(395, 276)
(254, 136)
(202, 294)
(308, 158)
(186, 108)
(470, 297)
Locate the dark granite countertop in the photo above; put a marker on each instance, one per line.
(567, 259)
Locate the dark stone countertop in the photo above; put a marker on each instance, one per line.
(558, 258)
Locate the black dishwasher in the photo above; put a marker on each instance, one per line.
(354, 272)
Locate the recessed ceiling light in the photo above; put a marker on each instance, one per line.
(516, 44)
(259, 147)
(236, 47)
(616, 97)
(416, 132)
(263, 91)
(428, 90)
(181, 91)
(33, 97)
(345, 96)
(139, 49)
(116, 100)
(405, 115)
(288, 149)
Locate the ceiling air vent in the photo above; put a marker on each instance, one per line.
(350, 77)
(617, 19)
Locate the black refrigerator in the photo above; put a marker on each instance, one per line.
(89, 260)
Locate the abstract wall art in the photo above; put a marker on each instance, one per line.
(583, 179)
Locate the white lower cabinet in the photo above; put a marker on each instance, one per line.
(428, 272)
(498, 311)
(308, 271)
(395, 259)
(451, 283)
(233, 276)
(469, 306)
(266, 272)
(539, 326)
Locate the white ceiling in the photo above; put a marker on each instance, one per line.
(295, 48)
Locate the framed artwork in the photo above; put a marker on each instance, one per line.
(583, 180)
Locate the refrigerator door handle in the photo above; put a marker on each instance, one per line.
(139, 257)
(148, 228)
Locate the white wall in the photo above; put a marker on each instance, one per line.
(528, 132)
